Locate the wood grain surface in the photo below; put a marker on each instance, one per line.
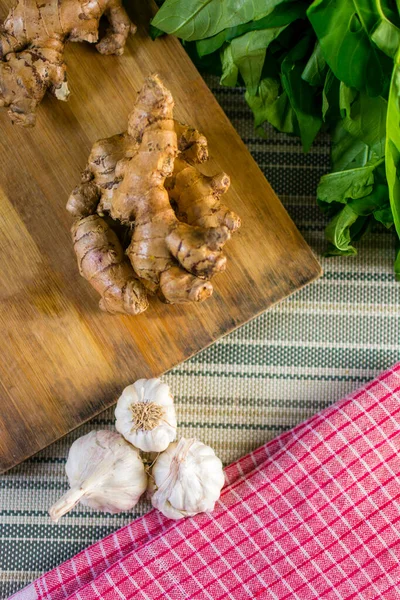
(61, 359)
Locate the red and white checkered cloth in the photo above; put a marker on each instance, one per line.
(314, 514)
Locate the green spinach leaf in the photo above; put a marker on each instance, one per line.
(281, 15)
(302, 96)
(384, 216)
(377, 200)
(196, 19)
(339, 70)
(248, 54)
(346, 151)
(346, 46)
(347, 95)
(272, 106)
(371, 13)
(330, 97)
(392, 153)
(345, 185)
(316, 68)
(367, 121)
(387, 37)
(338, 232)
(230, 70)
(211, 44)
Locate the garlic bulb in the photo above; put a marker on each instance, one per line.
(188, 479)
(145, 415)
(104, 472)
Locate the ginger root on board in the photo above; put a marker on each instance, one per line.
(32, 40)
(146, 184)
(102, 262)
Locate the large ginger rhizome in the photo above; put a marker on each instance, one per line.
(149, 222)
(32, 40)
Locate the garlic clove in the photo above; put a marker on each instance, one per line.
(188, 478)
(65, 503)
(104, 472)
(187, 495)
(145, 415)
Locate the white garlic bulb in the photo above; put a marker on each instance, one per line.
(188, 479)
(145, 415)
(104, 472)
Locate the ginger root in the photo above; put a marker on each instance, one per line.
(102, 262)
(147, 180)
(32, 40)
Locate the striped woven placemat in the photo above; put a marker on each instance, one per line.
(302, 355)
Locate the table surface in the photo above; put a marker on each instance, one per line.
(72, 357)
(267, 376)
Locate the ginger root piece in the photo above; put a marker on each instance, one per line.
(198, 197)
(158, 237)
(32, 40)
(102, 262)
(178, 287)
(191, 143)
(147, 180)
(98, 180)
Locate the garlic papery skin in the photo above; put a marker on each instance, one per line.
(104, 472)
(187, 479)
(145, 415)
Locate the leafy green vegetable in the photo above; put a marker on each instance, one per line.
(211, 44)
(346, 45)
(387, 37)
(315, 70)
(384, 216)
(301, 94)
(371, 14)
(347, 151)
(329, 95)
(230, 70)
(343, 185)
(347, 95)
(310, 65)
(338, 231)
(247, 53)
(367, 121)
(281, 15)
(273, 107)
(393, 144)
(374, 202)
(198, 19)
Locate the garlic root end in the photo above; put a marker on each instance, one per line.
(65, 503)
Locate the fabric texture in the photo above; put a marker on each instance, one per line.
(312, 514)
(249, 387)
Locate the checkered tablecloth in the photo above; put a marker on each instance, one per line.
(313, 514)
(261, 380)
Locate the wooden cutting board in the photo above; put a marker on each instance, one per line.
(62, 360)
